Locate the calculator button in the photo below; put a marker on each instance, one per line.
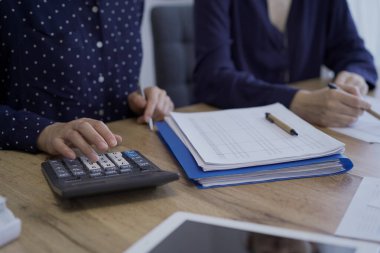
(111, 172)
(131, 154)
(59, 169)
(115, 154)
(96, 174)
(55, 163)
(75, 167)
(126, 168)
(72, 163)
(105, 162)
(62, 174)
(78, 173)
(92, 167)
(140, 161)
(118, 159)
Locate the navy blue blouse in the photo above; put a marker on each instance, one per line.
(65, 59)
(242, 59)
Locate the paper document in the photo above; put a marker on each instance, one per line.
(367, 127)
(362, 218)
(321, 166)
(239, 138)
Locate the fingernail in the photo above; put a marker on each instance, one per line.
(94, 157)
(114, 142)
(103, 145)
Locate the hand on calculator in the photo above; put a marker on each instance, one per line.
(88, 135)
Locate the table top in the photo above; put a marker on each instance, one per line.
(113, 222)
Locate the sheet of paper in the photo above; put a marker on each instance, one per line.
(243, 137)
(362, 218)
(367, 127)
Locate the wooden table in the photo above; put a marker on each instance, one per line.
(111, 223)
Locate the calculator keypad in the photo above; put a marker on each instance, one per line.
(114, 171)
(108, 165)
(140, 161)
(118, 159)
(75, 167)
(59, 169)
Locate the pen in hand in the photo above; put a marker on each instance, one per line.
(271, 118)
(333, 86)
(150, 121)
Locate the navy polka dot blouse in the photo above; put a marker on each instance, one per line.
(65, 59)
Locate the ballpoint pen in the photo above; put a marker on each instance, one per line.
(333, 86)
(271, 118)
(150, 121)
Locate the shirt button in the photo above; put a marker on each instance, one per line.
(95, 9)
(99, 44)
(101, 79)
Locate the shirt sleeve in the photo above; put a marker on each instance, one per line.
(217, 80)
(19, 130)
(345, 48)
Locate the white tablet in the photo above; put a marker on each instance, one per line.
(191, 233)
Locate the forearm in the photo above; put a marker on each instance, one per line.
(19, 130)
(367, 71)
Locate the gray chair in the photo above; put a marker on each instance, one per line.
(173, 39)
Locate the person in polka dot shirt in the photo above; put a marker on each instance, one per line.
(65, 68)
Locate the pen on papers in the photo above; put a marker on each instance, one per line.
(333, 86)
(150, 121)
(271, 118)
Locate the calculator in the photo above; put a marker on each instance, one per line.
(114, 171)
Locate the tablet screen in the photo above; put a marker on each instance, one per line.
(191, 237)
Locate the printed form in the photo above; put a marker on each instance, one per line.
(243, 137)
(362, 218)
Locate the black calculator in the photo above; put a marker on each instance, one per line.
(114, 171)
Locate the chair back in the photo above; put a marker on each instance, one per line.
(173, 40)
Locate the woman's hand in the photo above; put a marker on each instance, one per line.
(328, 107)
(88, 135)
(351, 83)
(156, 106)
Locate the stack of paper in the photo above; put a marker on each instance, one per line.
(240, 146)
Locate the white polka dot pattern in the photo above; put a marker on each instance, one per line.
(63, 60)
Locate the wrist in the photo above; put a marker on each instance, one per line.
(43, 138)
(299, 101)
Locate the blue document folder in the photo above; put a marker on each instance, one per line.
(256, 174)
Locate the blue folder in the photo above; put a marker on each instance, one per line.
(196, 174)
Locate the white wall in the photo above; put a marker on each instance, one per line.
(366, 14)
